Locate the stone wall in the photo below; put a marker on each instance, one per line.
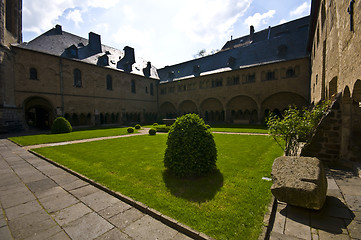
(238, 96)
(326, 141)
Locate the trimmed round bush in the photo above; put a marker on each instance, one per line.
(191, 150)
(155, 124)
(130, 130)
(61, 125)
(208, 126)
(152, 131)
(137, 126)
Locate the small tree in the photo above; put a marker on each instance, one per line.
(295, 126)
(191, 150)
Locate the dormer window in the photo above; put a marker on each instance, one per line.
(103, 60)
(171, 74)
(231, 61)
(73, 51)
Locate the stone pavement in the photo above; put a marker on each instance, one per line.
(41, 201)
(340, 217)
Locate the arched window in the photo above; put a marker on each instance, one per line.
(77, 78)
(132, 86)
(109, 82)
(33, 74)
(151, 89)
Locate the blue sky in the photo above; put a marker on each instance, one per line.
(164, 32)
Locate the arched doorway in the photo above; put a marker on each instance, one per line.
(38, 112)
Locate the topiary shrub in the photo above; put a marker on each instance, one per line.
(130, 130)
(61, 125)
(191, 150)
(155, 124)
(137, 126)
(152, 131)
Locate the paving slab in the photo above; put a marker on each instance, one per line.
(88, 227)
(339, 218)
(39, 200)
(149, 228)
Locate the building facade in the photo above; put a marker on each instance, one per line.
(250, 76)
(334, 45)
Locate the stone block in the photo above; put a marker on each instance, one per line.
(299, 181)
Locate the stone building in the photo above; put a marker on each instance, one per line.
(60, 74)
(263, 71)
(335, 50)
(10, 33)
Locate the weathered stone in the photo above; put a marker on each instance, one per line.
(299, 181)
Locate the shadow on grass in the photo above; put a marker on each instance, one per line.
(195, 189)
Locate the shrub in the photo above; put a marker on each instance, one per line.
(61, 125)
(137, 126)
(295, 126)
(155, 124)
(152, 131)
(208, 126)
(162, 128)
(130, 130)
(191, 150)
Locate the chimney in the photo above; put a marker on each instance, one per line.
(129, 55)
(94, 42)
(58, 29)
(251, 32)
(146, 70)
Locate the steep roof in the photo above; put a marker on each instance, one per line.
(63, 44)
(280, 43)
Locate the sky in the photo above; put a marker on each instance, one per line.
(164, 32)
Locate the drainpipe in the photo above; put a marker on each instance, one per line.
(61, 86)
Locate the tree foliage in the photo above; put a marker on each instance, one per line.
(295, 126)
(191, 149)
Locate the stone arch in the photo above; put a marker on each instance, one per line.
(187, 106)
(332, 87)
(282, 100)
(244, 109)
(82, 119)
(168, 110)
(38, 112)
(212, 110)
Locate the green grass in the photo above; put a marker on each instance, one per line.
(63, 137)
(239, 128)
(229, 204)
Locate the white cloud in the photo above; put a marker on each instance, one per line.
(41, 15)
(258, 19)
(205, 20)
(301, 10)
(140, 40)
(101, 3)
(282, 21)
(75, 16)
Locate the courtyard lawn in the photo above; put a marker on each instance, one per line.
(63, 137)
(229, 204)
(239, 128)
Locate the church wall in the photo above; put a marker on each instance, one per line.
(249, 85)
(55, 83)
(335, 60)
